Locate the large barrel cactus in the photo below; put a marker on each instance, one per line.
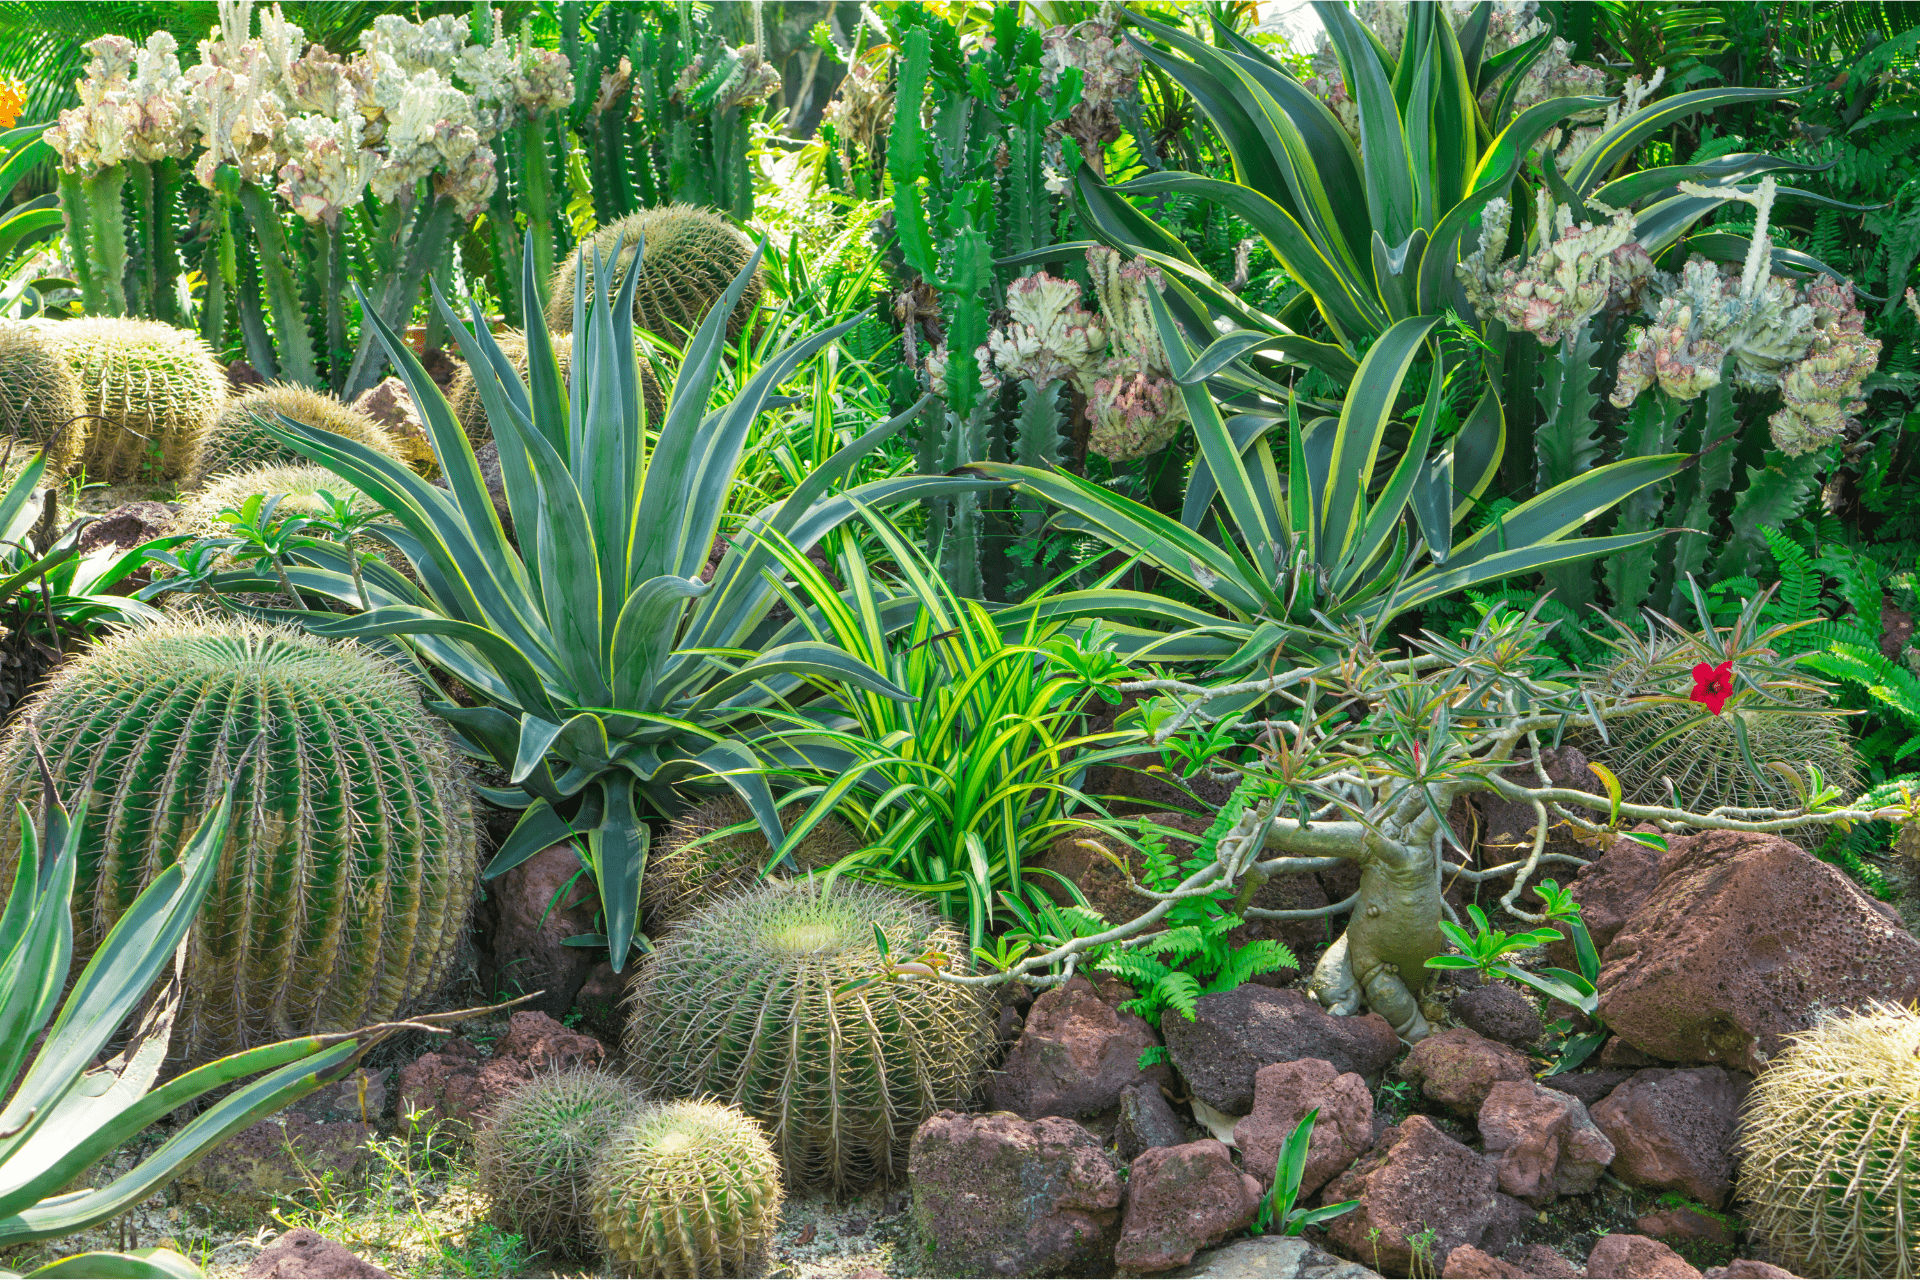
(154, 388)
(1830, 1147)
(350, 864)
(40, 404)
(237, 439)
(743, 1002)
(691, 256)
(703, 857)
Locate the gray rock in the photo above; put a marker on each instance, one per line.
(1273, 1258)
(1238, 1032)
(1147, 1121)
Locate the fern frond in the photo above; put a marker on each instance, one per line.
(1179, 991)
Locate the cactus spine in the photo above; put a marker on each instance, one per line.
(694, 866)
(688, 1189)
(690, 257)
(236, 440)
(347, 876)
(40, 405)
(154, 387)
(1828, 1140)
(739, 1003)
(536, 1150)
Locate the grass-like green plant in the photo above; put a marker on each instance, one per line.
(961, 784)
(1277, 1212)
(607, 668)
(767, 1000)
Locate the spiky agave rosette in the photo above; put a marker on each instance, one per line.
(464, 398)
(154, 388)
(687, 1189)
(1829, 1170)
(694, 866)
(739, 1003)
(351, 862)
(535, 1153)
(691, 256)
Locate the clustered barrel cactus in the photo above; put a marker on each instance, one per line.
(704, 858)
(536, 1150)
(40, 404)
(743, 1002)
(237, 438)
(351, 862)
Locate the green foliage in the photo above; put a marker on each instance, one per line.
(960, 784)
(687, 1189)
(857, 1064)
(1195, 954)
(607, 665)
(351, 860)
(66, 1108)
(1277, 1209)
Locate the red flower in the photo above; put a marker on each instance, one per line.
(1712, 686)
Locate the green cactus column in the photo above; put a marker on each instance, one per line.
(351, 862)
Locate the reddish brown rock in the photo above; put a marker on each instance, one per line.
(528, 915)
(1418, 1179)
(1674, 1130)
(1631, 1257)
(996, 1195)
(456, 1083)
(248, 1172)
(1745, 939)
(1748, 1269)
(1684, 1224)
(1469, 1263)
(1283, 1093)
(127, 526)
(1181, 1200)
(1544, 1141)
(1075, 1054)
(1542, 1262)
(1457, 1068)
(301, 1254)
(1588, 1086)
(1146, 1121)
(242, 376)
(1618, 1055)
(1235, 1033)
(1499, 1011)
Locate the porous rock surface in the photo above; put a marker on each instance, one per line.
(1074, 1055)
(1675, 1130)
(1235, 1033)
(1181, 1200)
(1416, 1180)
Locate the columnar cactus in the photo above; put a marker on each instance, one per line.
(687, 1189)
(154, 388)
(1827, 1166)
(236, 440)
(351, 863)
(744, 1002)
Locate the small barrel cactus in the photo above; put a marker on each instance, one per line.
(536, 1150)
(694, 866)
(236, 440)
(739, 1002)
(351, 864)
(467, 406)
(687, 1189)
(154, 387)
(691, 256)
(40, 404)
(1828, 1169)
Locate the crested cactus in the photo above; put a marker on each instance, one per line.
(739, 1003)
(1828, 1139)
(40, 403)
(464, 399)
(687, 1189)
(236, 439)
(690, 258)
(694, 866)
(536, 1150)
(154, 388)
(351, 863)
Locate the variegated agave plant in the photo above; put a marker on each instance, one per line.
(607, 670)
